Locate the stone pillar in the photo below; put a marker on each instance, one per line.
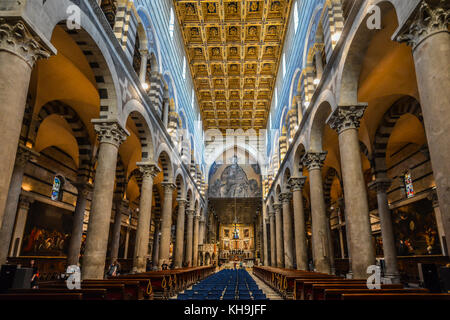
(127, 241)
(143, 70)
(285, 199)
(266, 222)
(15, 187)
(189, 237)
(428, 35)
(21, 220)
(195, 241)
(166, 113)
(19, 50)
(84, 190)
(179, 245)
(110, 135)
(149, 172)
(120, 207)
(301, 249)
(321, 256)
(279, 235)
(273, 247)
(330, 242)
(156, 240)
(345, 120)
(437, 213)
(166, 223)
(319, 63)
(381, 185)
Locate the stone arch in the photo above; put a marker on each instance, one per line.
(180, 183)
(402, 106)
(189, 198)
(79, 130)
(318, 123)
(285, 180)
(297, 166)
(166, 162)
(96, 50)
(136, 111)
(310, 33)
(354, 53)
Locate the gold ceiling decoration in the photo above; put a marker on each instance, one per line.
(234, 49)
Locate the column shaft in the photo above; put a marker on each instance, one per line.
(189, 237)
(279, 235)
(18, 53)
(15, 188)
(166, 224)
(195, 241)
(287, 231)
(115, 241)
(156, 240)
(110, 136)
(301, 249)
(73, 255)
(180, 234)
(149, 171)
(273, 248)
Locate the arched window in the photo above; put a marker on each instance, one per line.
(184, 67)
(407, 180)
(171, 23)
(58, 182)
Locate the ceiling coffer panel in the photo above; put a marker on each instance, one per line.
(234, 50)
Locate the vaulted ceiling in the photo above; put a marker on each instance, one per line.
(234, 50)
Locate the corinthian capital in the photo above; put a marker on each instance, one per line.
(110, 132)
(277, 207)
(431, 17)
(24, 154)
(346, 117)
(296, 183)
(314, 160)
(285, 197)
(380, 185)
(168, 187)
(17, 39)
(148, 170)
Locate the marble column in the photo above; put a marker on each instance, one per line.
(156, 241)
(166, 223)
(427, 33)
(7, 226)
(195, 240)
(321, 256)
(345, 120)
(381, 185)
(437, 213)
(19, 51)
(21, 220)
(179, 245)
(273, 247)
(330, 241)
(143, 70)
(301, 249)
(189, 237)
(110, 135)
(285, 199)
(120, 206)
(127, 242)
(266, 222)
(279, 234)
(319, 63)
(84, 190)
(149, 172)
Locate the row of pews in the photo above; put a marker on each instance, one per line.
(306, 285)
(142, 286)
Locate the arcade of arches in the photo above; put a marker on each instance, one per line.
(102, 159)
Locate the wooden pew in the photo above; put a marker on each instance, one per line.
(114, 291)
(336, 294)
(304, 285)
(299, 282)
(318, 289)
(41, 296)
(393, 296)
(133, 289)
(88, 294)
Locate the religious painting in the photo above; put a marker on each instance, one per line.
(246, 233)
(47, 231)
(246, 244)
(226, 233)
(226, 245)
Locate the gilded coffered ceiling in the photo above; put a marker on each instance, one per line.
(233, 49)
